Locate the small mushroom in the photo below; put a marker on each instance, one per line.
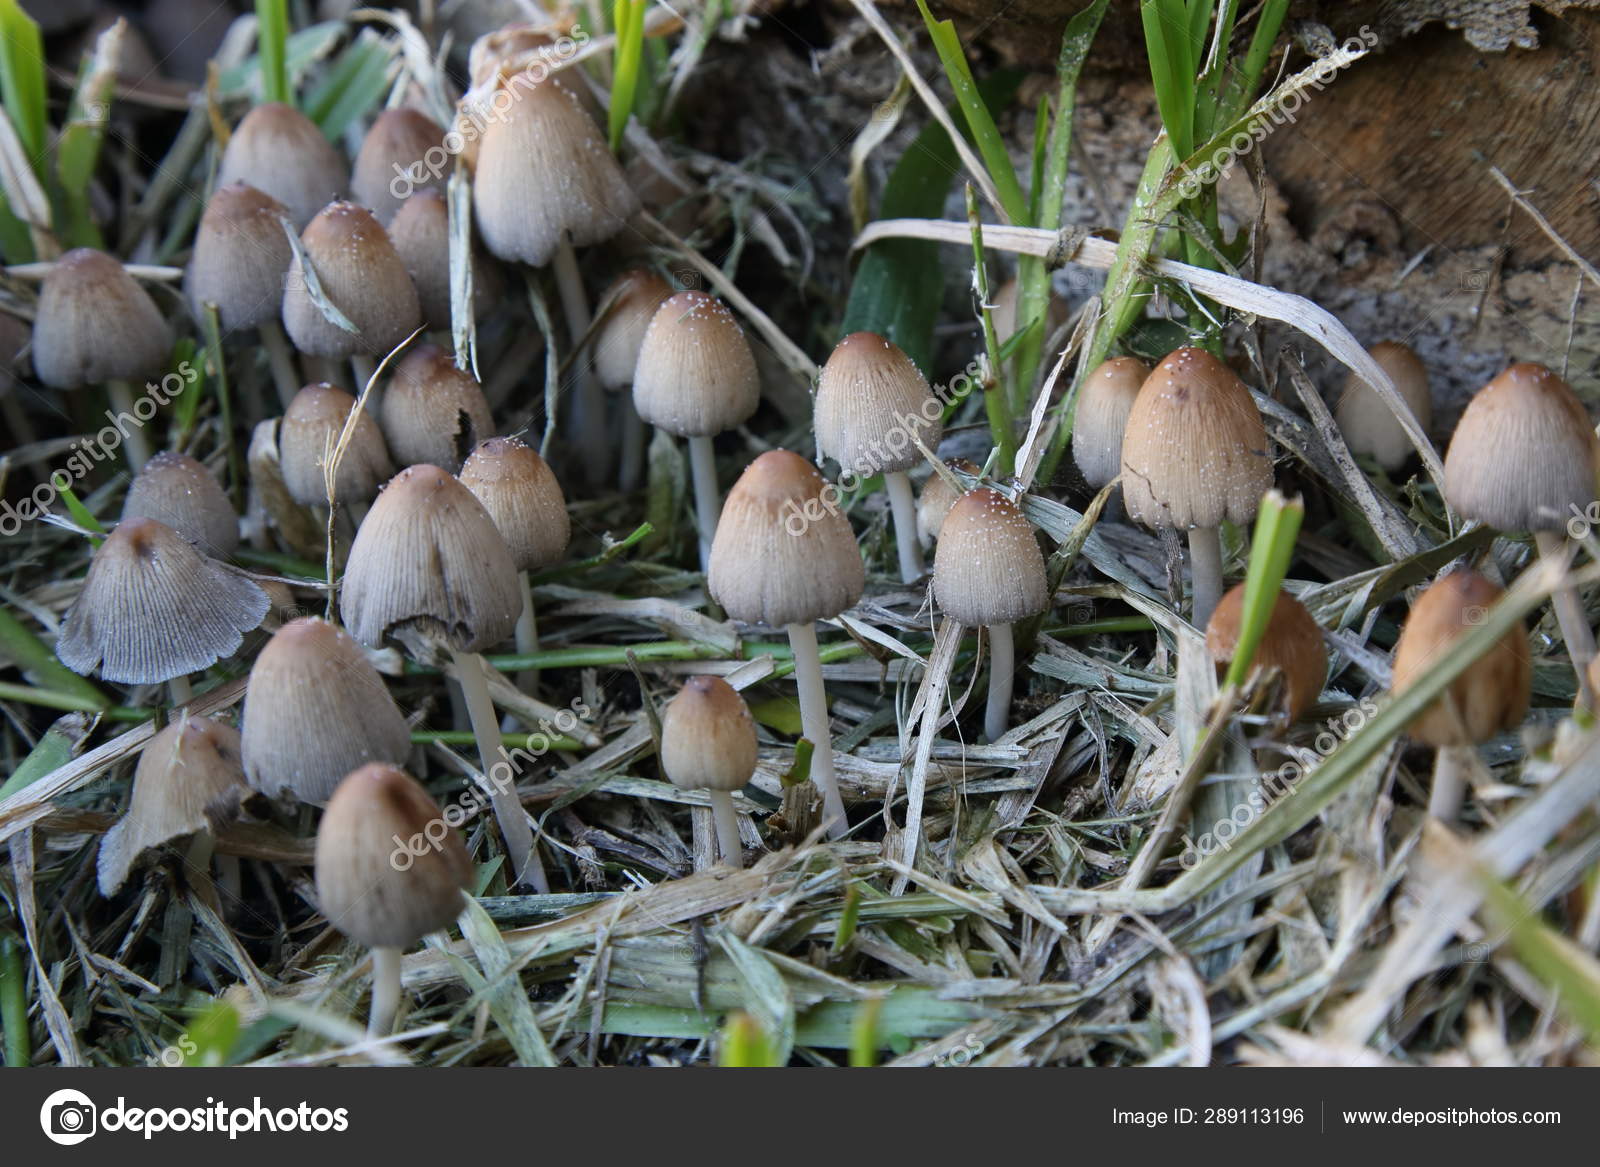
(1369, 426)
(182, 493)
(432, 411)
(309, 435)
(395, 150)
(1101, 420)
(708, 742)
(281, 152)
(625, 311)
(1292, 645)
(420, 232)
(937, 497)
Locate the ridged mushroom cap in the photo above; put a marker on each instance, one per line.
(871, 401)
(241, 255)
(280, 151)
(315, 710)
(708, 738)
(432, 411)
(781, 555)
(634, 297)
(1292, 644)
(522, 496)
(365, 887)
(988, 568)
(153, 608)
(695, 375)
(420, 232)
(182, 493)
(95, 323)
(938, 496)
(1368, 425)
(1492, 694)
(1101, 419)
(1524, 454)
(1194, 451)
(362, 275)
(307, 437)
(394, 148)
(428, 564)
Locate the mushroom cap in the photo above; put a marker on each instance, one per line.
(364, 277)
(782, 554)
(432, 411)
(1101, 419)
(397, 143)
(1194, 451)
(871, 401)
(1292, 644)
(1492, 694)
(429, 564)
(95, 323)
(280, 151)
(1003, 312)
(938, 496)
(708, 738)
(189, 778)
(420, 232)
(522, 496)
(365, 886)
(1524, 454)
(308, 435)
(1369, 426)
(153, 608)
(988, 568)
(182, 493)
(696, 375)
(315, 710)
(241, 255)
(634, 295)
(544, 172)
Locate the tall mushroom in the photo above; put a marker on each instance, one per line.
(432, 411)
(1368, 424)
(280, 151)
(177, 490)
(627, 307)
(708, 742)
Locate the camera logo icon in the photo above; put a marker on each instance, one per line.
(68, 1117)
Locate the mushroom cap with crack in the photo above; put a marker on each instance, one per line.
(432, 411)
(988, 568)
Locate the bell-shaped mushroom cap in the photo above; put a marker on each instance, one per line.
(95, 323)
(428, 564)
(871, 401)
(316, 709)
(1194, 451)
(938, 496)
(544, 172)
(708, 738)
(633, 297)
(182, 493)
(280, 151)
(782, 554)
(189, 778)
(308, 437)
(1004, 311)
(988, 568)
(1292, 644)
(1524, 454)
(1369, 426)
(432, 411)
(696, 375)
(522, 496)
(1492, 694)
(241, 255)
(420, 232)
(396, 147)
(1101, 419)
(153, 608)
(362, 275)
(374, 890)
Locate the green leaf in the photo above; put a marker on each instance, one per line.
(28, 653)
(1573, 973)
(14, 996)
(625, 81)
(353, 87)
(272, 45)
(22, 80)
(1277, 525)
(56, 748)
(779, 713)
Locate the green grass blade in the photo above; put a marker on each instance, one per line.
(22, 80)
(272, 43)
(1573, 973)
(28, 653)
(629, 20)
(994, 396)
(78, 147)
(357, 83)
(55, 749)
(14, 1001)
(1277, 526)
(1171, 69)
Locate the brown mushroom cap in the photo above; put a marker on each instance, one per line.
(365, 886)
(362, 275)
(280, 151)
(634, 296)
(1492, 694)
(432, 411)
(182, 493)
(420, 232)
(522, 496)
(1524, 454)
(938, 496)
(1292, 644)
(308, 436)
(1194, 451)
(708, 738)
(241, 255)
(1004, 311)
(1368, 424)
(1101, 419)
(871, 401)
(95, 323)
(695, 375)
(988, 568)
(782, 555)
(396, 148)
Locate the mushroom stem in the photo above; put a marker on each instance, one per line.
(703, 469)
(281, 360)
(180, 692)
(632, 468)
(1205, 565)
(385, 992)
(814, 721)
(138, 445)
(1570, 616)
(527, 632)
(1002, 668)
(1449, 782)
(508, 812)
(362, 366)
(898, 484)
(727, 827)
(588, 405)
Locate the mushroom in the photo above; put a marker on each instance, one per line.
(708, 742)
(696, 377)
(938, 496)
(280, 151)
(988, 572)
(315, 710)
(395, 150)
(768, 568)
(625, 311)
(1101, 418)
(420, 232)
(308, 436)
(1003, 312)
(180, 492)
(386, 894)
(1369, 426)
(432, 411)
(1524, 458)
(1193, 454)
(1291, 644)
(872, 408)
(1489, 696)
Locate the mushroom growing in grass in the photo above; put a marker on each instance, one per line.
(96, 326)
(989, 573)
(420, 232)
(938, 496)
(872, 408)
(1524, 458)
(1194, 453)
(432, 411)
(708, 742)
(395, 152)
(380, 892)
(1291, 644)
(785, 557)
(1490, 696)
(628, 305)
(1369, 426)
(1101, 418)
(182, 493)
(308, 436)
(429, 568)
(281, 152)
(696, 377)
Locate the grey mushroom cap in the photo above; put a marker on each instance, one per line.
(395, 153)
(241, 255)
(1368, 424)
(871, 401)
(695, 375)
(988, 568)
(633, 299)
(362, 275)
(95, 324)
(420, 232)
(433, 412)
(310, 433)
(177, 490)
(522, 496)
(1101, 420)
(280, 151)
